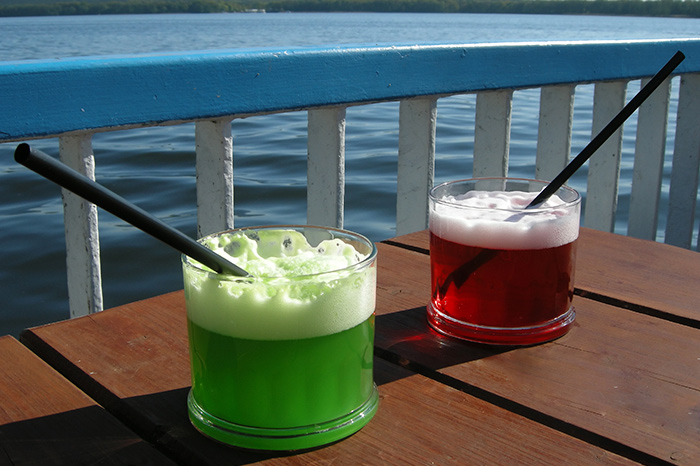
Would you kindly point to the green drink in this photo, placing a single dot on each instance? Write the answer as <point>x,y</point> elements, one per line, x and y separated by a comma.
<point>283,361</point>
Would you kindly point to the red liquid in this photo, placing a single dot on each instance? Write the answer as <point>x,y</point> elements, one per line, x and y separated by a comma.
<point>522,296</point>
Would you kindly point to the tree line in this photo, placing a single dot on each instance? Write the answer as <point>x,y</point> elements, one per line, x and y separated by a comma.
<point>119,7</point>
<point>576,7</point>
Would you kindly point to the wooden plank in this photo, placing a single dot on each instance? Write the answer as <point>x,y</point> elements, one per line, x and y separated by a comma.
<point>604,166</point>
<point>649,152</point>
<point>492,133</point>
<point>686,164</point>
<point>85,93</point>
<point>82,232</point>
<point>118,355</point>
<point>214,149</point>
<point>46,420</point>
<point>554,130</point>
<point>647,275</point>
<point>325,192</point>
<point>416,163</point>
<point>642,275</point>
<point>420,422</point>
<point>619,378</point>
<point>134,360</point>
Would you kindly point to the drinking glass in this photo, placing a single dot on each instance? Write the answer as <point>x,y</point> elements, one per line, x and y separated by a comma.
<point>283,361</point>
<point>500,273</point>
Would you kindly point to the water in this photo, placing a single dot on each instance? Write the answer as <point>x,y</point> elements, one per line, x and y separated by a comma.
<point>154,167</point>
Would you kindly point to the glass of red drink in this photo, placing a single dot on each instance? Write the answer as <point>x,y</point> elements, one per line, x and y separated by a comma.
<point>500,273</point>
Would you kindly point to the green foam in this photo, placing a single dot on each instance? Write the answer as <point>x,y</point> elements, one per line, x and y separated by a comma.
<point>298,290</point>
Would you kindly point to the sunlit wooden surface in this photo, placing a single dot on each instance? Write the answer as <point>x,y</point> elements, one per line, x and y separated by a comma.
<point>622,387</point>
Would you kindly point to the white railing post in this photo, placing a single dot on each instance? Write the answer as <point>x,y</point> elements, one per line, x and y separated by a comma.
<point>81,230</point>
<point>686,162</point>
<point>416,164</point>
<point>325,190</point>
<point>554,130</point>
<point>649,151</point>
<point>604,165</point>
<point>492,132</point>
<point>214,148</point>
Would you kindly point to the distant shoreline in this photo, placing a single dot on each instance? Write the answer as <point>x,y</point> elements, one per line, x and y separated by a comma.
<point>687,9</point>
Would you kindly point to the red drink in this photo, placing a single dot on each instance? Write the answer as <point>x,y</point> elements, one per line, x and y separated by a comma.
<point>500,274</point>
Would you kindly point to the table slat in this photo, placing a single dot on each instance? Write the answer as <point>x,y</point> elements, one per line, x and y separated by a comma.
<point>46,420</point>
<point>131,353</point>
<point>621,377</point>
<point>644,273</point>
<point>419,420</point>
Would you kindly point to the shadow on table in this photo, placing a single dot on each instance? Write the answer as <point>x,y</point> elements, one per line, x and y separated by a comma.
<point>92,436</point>
<point>404,346</point>
<point>406,339</point>
<point>77,437</point>
<point>162,419</point>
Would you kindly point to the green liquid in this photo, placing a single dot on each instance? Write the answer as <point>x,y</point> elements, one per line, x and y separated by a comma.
<point>283,384</point>
<point>283,361</point>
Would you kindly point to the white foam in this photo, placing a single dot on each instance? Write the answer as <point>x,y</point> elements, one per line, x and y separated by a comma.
<point>497,220</point>
<point>299,291</point>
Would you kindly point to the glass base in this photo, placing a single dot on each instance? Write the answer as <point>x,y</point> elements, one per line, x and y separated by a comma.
<point>291,438</point>
<point>517,336</point>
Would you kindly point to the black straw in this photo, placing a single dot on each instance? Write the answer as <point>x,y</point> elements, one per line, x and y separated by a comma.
<point>608,131</point>
<point>460,275</point>
<point>61,174</point>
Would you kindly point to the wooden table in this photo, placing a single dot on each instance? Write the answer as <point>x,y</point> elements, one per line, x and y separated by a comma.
<point>622,387</point>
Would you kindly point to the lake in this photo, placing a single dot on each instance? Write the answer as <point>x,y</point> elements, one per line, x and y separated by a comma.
<point>154,167</point>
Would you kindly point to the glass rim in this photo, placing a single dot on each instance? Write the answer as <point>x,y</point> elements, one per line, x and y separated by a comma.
<point>366,262</point>
<point>565,204</point>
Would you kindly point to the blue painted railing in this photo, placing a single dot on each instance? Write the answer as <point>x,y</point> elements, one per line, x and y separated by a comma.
<point>73,99</point>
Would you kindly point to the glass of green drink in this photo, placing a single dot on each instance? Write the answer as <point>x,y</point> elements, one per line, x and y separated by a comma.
<point>282,360</point>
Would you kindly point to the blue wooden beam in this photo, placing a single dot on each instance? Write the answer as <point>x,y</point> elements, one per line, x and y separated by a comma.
<point>48,97</point>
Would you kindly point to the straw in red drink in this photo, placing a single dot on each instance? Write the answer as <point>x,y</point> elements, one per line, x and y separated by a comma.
<point>462,273</point>
<point>608,131</point>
